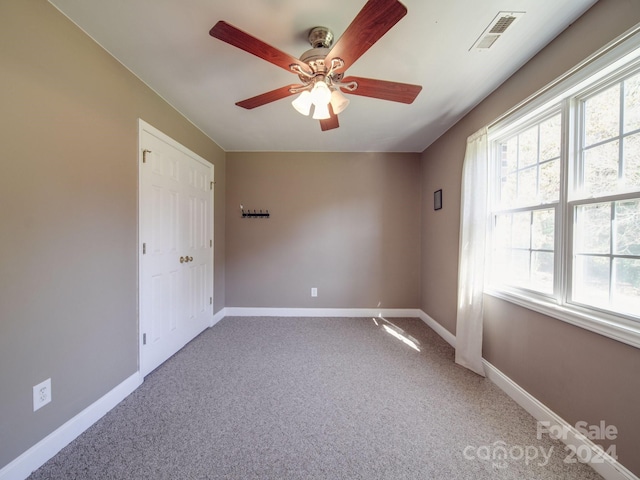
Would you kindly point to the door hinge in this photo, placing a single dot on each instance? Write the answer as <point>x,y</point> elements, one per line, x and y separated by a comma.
<point>144,338</point>
<point>211,185</point>
<point>210,300</point>
<point>144,248</point>
<point>211,243</point>
<point>144,155</point>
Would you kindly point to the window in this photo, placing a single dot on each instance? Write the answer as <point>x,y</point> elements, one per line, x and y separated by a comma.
<point>526,205</point>
<point>606,210</point>
<point>565,201</point>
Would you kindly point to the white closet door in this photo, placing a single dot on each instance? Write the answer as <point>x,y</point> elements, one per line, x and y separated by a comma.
<point>176,238</point>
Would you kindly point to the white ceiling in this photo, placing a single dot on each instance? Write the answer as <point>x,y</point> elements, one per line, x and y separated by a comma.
<point>166,43</point>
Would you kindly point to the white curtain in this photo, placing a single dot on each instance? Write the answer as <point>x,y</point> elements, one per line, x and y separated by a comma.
<point>474,219</point>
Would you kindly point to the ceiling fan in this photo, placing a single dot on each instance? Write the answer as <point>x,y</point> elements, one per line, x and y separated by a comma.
<point>321,69</point>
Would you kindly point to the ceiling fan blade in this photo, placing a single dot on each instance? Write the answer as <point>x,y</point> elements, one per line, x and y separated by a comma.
<point>331,122</point>
<point>392,91</point>
<point>374,20</point>
<point>236,37</point>
<point>267,97</point>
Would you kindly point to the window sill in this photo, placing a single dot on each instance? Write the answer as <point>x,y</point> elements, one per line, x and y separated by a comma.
<point>618,328</point>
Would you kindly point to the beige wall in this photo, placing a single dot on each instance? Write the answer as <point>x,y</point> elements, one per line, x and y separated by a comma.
<point>68,203</point>
<point>360,227</point>
<point>577,373</point>
<point>346,223</point>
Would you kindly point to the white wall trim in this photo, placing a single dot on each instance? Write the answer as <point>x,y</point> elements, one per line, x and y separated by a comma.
<point>45,449</point>
<point>36,456</point>
<point>449,337</point>
<point>609,467</point>
<point>621,329</point>
<point>606,466</point>
<point>319,312</point>
<point>219,315</point>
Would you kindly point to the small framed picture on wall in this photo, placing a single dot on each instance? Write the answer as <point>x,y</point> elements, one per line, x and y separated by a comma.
<point>437,199</point>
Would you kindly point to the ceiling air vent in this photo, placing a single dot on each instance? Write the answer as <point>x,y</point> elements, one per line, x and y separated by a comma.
<point>496,29</point>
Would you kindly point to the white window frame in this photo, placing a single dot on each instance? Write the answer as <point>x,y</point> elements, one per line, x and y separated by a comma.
<point>494,139</point>
<point>611,62</point>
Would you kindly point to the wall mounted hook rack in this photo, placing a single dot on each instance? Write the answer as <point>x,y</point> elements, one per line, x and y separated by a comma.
<point>254,214</point>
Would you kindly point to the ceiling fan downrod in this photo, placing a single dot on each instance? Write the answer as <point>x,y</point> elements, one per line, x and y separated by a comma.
<point>320,37</point>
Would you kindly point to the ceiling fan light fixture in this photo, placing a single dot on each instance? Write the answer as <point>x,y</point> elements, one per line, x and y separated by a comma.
<point>320,94</point>
<point>338,101</point>
<point>321,111</point>
<point>320,97</point>
<point>303,103</point>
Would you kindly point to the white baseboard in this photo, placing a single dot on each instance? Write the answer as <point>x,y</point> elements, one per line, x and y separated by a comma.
<point>449,337</point>
<point>217,317</point>
<point>319,312</point>
<point>36,456</point>
<point>601,462</point>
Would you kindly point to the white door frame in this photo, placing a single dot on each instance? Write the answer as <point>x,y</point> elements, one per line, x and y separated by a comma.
<point>145,127</point>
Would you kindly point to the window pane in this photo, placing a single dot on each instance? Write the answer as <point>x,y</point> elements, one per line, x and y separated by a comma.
<point>628,228</point>
<point>591,280</point>
<point>514,263</point>
<point>542,271</point>
<point>543,229</point>
<point>528,147</point>
<point>631,166</point>
<point>593,228</point>
<point>632,104</point>
<point>550,181</point>
<point>521,233</point>
<point>510,155</point>
<point>509,189</point>
<point>601,169</point>
<point>550,138</point>
<point>527,180</point>
<point>501,266</point>
<point>519,269</point>
<point>502,232</point>
<point>602,116</point>
<point>626,285</point>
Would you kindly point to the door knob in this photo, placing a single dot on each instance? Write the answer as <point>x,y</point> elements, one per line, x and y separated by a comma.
<point>191,259</point>
<point>182,260</point>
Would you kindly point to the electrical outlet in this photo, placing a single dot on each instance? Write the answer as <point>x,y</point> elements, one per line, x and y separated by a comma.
<point>41,394</point>
<point>314,292</point>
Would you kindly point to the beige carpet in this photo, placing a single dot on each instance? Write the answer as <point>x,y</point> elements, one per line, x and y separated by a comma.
<point>315,398</point>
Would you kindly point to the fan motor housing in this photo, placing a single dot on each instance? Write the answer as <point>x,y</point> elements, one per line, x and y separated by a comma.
<point>320,37</point>
<point>314,55</point>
